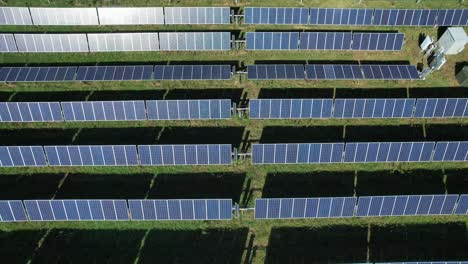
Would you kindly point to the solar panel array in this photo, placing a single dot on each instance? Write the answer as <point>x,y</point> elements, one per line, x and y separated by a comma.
<point>22,156</point>
<point>356,17</point>
<point>324,41</point>
<point>52,42</point>
<point>192,72</point>
<point>114,16</point>
<point>191,41</point>
<point>275,72</point>
<point>12,211</point>
<point>30,112</point>
<point>7,43</point>
<point>96,155</point>
<point>188,109</point>
<point>104,111</point>
<point>123,42</point>
<point>365,206</point>
<point>37,74</point>
<point>441,107</point>
<point>290,108</point>
<point>368,152</point>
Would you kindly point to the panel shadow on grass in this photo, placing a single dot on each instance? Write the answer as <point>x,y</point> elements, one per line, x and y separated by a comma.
<point>279,93</point>
<point>457,181</point>
<point>32,137</point>
<point>319,134</point>
<point>194,246</point>
<point>90,246</point>
<point>384,133</point>
<point>400,183</point>
<point>330,244</point>
<point>50,96</point>
<point>28,186</point>
<point>198,186</point>
<point>313,184</point>
<point>105,186</point>
<point>208,93</point>
<point>447,132</point>
<point>370,93</point>
<point>118,136</point>
<point>419,242</point>
<point>18,246</point>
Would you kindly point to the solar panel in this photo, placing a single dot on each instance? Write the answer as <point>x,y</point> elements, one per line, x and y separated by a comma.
<point>192,72</point>
<point>37,74</point>
<point>441,107</point>
<point>7,43</point>
<point>287,208</point>
<point>405,17</point>
<point>297,153</point>
<point>290,108</point>
<point>275,72</point>
<point>452,17</point>
<point>340,16</point>
<point>64,16</point>
<point>30,112</point>
<point>373,108</point>
<point>104,111</point>
<point>378,41</point>
<point>272,40</point>
<point>451,151</point>
<point>52,42</point>
<point>12,211</point>
<point>76,210</point>
<point>22,156</point>
<point>15,16</point>
<point>388,152</point>
<point>325,40</point>
<point>203,154</point>
<point>123,42</point>
<point>186,41</point>
<point>114,73</point>
<point>275,15</point>
<point>184,209</point>
<point>333,72</point>
<point>95,155</point>
<point>406,205</point>
<point>130,15</point>
<point>390,72</point>
<point>197,15</point>
<point>188,109</point>
<point>462,205</point>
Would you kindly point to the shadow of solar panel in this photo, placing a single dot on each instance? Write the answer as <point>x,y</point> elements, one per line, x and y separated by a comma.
<point>462,206</point>
<point>290,108</point>
<point>188,109</point>
<point>203,154</point>
<point>107,42</point>
<point>197,15</point>
<point>451,151</point>
<point>373,108</point>
<point>195,41</point>
<point>441,107</point>
<point>37,74</point>
<point>130,15</point>
<point>64,16</point>
<point>290,208</point>
<point>15,16</point>
<point>30,112</point>
<point>22,156</point>
<point>378,41</point>
<point>77,210</point>
<point>7,43</point>
<point>192,72</point>
<point>406,205</point>
<point>275,72</point>
<point>452,17</point>
<point>184,209</point>
<point>275,15</point>
<point>340,16</point>
<point>95,155</point>
<point>297,153</point>
<point>12,211</point>
<point>388,152</point>
<point>114,73</point>
<point>104,111</point>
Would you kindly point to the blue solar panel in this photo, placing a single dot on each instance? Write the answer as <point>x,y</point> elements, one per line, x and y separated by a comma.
<point>272,40</point>
<point>340,16</point>
<point>287,208</point>
<point>104,111</point>
<point>76,210</point>
<point>462,206</point>
<point>272,15</point>
<point>275,72</point>
<point>325,40</point>
<point>378,41</point>
<point>22,156</point>
<point>388,152</point>
<point>188,109</point>
<point>96,155</point>
<point>441,107</point>
<point>114,73</point>
<point>12,211</point>
<point>373,108</point>
<point>290,108</point>
<point>390,72</point>
<point>451,151</point>
<point>452,17</point>
<point>211,154</point>
<point>185,209</point>
<point>192,72</point>
<point>333,72</point>
<point>406,205</point>
<point>297,153</point>
<point>405,17</point>
<point>37,74</point>
<point>30,112</point>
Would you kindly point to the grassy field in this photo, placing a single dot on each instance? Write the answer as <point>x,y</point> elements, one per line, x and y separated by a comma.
<point>242,240</point>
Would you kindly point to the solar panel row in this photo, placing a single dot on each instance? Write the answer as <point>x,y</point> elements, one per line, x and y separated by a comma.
<point>324,41</point>
<point>115,155</point>
<point>359,17</point>
<point>115,73</point>
<point>195,41</point>
<point>331,72</point>
<point>366,152</point>
<point>114,16</point>
<point>365,206</point>
<point>115,210</point>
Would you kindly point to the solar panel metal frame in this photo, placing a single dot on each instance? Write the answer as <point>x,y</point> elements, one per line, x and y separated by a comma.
<point>130,15</point>
<point>137,105</point>
<point>333,153</point>
<point>77,42</point>
<point>69,16</point>
<point>53,106</point>
<point>84,73</point>
<point>100,42</point>
<point>12,206</point>
<point>196,72</point>
<point>10,15</point>
<point>36,152</point>
<point>153,201</point>
<point>461,104</point>
<point>54,150</point>
<point>195,41</point>
<point>8,43</point>
<point>356,150</point>
<point>156,103</point>
<point>254,103</point>
<point>184,15</point>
